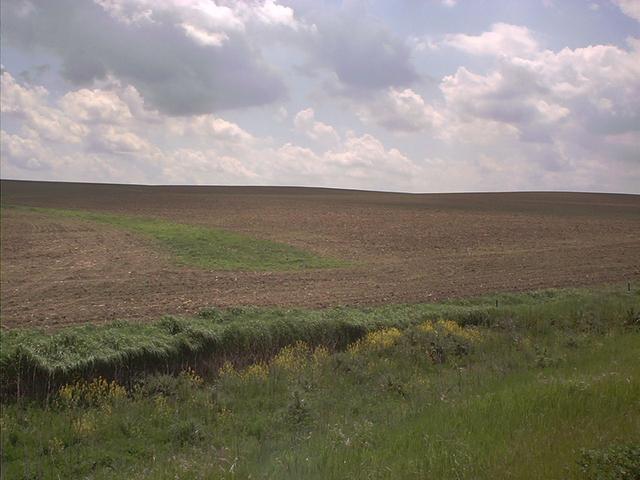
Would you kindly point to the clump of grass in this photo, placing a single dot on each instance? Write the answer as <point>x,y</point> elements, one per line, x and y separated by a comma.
<point>209,248</point>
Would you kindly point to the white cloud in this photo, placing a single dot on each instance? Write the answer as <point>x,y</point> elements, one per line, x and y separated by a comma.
<point>29,104</point>
<point>306,123</point>
<point>497,97</point>
<point>215,55</point>
<point>400,110</point>
<point>203,37</point>
<point>95,106</point>
<point>25,153</point>
<point>206,22</point>
<point>595,88</point>
<point>359,161</point>
<point>204,167</point>
<point>114,140</point>
<point>630,8</point>
<point>271,13</point>
<point>209,126</point>
<point>126,11</point>
<point>502,40</point>
<point>500,111</point>
<point>365,155</point>
<point>18,99</point>
<point>120,138</point>
<point>187,57</point>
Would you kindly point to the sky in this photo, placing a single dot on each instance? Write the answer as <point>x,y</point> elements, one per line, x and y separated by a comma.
<point>404,95</point>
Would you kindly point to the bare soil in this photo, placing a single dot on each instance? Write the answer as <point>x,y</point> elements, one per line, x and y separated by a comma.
<point>405,248</point>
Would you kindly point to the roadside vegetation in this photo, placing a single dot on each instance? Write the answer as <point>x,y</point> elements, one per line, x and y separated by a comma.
<point>38,361</point>
<point>209,248</point>
<point>538,385</point>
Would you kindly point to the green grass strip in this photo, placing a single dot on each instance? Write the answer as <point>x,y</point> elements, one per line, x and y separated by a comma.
<point>205,247</point>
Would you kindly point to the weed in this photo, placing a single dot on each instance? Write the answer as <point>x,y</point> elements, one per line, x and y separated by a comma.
<point>298,412</point>
<point>292,358</point>
<point>186,432</point>
<point>377,340</point>
<point>98,392</point>
<point>632,318</point>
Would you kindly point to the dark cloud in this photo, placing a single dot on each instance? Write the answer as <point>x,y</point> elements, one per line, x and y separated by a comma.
<point>180,76</point>
<point>34,74</point>
<point>173,73</point>
<point>362,53</point>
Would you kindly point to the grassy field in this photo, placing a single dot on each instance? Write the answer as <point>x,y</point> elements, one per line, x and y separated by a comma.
<point>208,248</point>
<point>542,385</point>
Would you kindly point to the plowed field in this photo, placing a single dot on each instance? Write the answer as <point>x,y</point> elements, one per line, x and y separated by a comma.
<point>400,248</point>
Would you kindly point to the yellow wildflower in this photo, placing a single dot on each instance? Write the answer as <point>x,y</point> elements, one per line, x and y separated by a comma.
<point>376,340</point>
<point>427,327</point>
<point>292,357</point>
<point>190,374</point>
<point>320,355</point>
<point>160,402</point>
<point>257,371</point>
<point>97,392</point>
<point>84,425</point>
<point>225,413</point>
<point>55,445</point>
<point>227,370</point>
<point>449,327</point>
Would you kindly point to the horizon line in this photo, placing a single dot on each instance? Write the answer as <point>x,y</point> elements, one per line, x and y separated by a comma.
<point>344,189</point>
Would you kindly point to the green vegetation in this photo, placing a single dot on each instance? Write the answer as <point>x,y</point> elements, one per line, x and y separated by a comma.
<point>545,385</point>
<point>617,462</point>
<point>205,247</point>
<point>37,362</point>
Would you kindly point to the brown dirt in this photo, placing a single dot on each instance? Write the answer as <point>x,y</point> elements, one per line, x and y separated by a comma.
<point>408,248</point>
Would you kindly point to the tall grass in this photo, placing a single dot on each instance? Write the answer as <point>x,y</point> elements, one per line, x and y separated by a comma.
<point>204,247</point>
<point>36,362</point>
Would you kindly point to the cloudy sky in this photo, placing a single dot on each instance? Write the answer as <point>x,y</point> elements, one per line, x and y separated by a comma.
<point>420,96</point>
